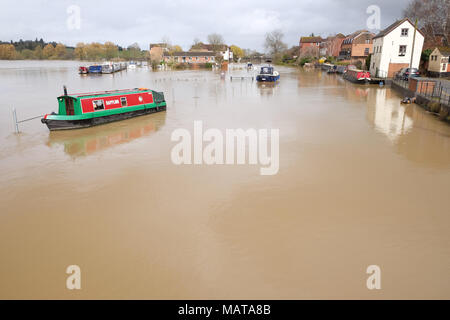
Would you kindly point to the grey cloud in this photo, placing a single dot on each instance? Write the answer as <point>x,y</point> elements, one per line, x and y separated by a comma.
<point>243,23</point>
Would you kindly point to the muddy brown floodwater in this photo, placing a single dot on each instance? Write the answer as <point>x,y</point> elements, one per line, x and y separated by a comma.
<point>363,180</point>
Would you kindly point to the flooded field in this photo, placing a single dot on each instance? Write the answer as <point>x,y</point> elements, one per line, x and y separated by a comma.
<point>362,180</point>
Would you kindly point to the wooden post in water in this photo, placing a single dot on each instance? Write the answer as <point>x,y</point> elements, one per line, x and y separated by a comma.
<point>16,125</point>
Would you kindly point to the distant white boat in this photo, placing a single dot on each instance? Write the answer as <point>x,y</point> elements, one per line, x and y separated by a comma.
<point>131,65</point>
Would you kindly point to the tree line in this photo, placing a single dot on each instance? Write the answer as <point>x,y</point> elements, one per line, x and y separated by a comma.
<point>40,50</point>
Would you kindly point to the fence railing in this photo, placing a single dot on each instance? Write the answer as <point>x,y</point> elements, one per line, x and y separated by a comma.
<point>433,89</point>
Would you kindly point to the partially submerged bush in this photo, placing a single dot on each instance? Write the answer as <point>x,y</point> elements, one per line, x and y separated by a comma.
<point>434,106</point>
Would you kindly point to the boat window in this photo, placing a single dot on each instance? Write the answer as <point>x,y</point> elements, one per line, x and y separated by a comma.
<point>98,105</point>
<point>140,99</point>
<point>123,101</point>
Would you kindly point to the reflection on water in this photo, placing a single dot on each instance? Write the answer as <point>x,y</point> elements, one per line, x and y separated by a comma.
<point>87,141</point>
<point>388,115</point>
<point>267,88</point>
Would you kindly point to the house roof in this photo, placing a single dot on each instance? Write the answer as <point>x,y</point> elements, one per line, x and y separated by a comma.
<point>191,54</point>
<point>310,39</point>
<point>352,36</point>
<point>393,26</point>
<point>445,51</point>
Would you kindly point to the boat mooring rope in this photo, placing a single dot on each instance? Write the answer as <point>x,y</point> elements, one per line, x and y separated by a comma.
<point>31,118</point>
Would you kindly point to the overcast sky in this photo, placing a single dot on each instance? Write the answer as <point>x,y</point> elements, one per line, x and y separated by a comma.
<point>240,22</point>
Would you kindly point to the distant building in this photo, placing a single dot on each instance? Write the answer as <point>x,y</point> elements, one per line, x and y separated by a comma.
<point>393,49</point>
<point>439,62</point>
<point>222,49</point>
<point>190,57</point>
<point>310,46</point>
<point>356,46</point>
<point>332,45</point>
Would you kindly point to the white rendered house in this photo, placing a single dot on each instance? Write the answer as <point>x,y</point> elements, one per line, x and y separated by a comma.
<point>392,49</point>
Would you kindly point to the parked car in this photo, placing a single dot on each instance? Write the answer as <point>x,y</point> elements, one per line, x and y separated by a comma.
<point>404,73</point>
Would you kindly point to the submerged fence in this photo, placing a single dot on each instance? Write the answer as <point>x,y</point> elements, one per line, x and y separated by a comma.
<point>435,90</point>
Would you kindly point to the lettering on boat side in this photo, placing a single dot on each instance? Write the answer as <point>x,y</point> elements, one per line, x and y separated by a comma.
<point>74,280</point>
<point>108,102</point>
<point>374,280</point>
<point>256,151</point>
<point>231,309</point>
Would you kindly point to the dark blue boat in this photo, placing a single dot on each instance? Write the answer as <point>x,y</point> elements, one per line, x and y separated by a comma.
<point>267,74</point>
<point>95,69</point>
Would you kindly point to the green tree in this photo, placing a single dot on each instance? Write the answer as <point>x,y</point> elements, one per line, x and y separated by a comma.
<point>37,52</point>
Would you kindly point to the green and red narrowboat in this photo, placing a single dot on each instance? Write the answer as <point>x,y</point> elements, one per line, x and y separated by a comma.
<point>94,108</point>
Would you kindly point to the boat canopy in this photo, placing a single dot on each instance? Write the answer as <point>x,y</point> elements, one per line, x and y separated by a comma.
<point>266,70</point>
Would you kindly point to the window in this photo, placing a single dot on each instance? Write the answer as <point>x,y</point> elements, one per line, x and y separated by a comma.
<point>366,51</point>
<point>206,58</point>
<point>444,67</point>
<point>367,41</point>
<point>402,51</point>
<point>98,105</point>
<point>140,99</point>
<point>123,101</point>
<point>405,32</point>
<point>373,65</point>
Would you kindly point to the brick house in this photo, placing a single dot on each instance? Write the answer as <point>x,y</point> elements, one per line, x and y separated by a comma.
<point>332,45</point>
<point>190,57</point>
<point>221,49</point>
<point>356,46</point>
<point>310,46</point>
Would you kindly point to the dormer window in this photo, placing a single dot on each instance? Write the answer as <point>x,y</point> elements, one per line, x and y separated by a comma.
<point>405,32</point>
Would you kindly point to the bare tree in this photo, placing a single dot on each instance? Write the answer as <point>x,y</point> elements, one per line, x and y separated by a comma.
<point>274,42</point>
<point>433,18</point>
<point>216,40</point>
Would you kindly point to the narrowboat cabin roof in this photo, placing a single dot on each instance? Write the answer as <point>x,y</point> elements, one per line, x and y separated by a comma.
<point>104,93</point>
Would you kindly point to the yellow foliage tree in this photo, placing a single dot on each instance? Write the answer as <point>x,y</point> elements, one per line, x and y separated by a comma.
<point>48,51</point>
<point>111,50</point>
<point>60,51</point>
<point>7,52</point>
<point>237,52</point>
<point>79,51</point>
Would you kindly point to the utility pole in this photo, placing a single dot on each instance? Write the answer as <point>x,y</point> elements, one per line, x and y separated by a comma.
<point>412,51</point>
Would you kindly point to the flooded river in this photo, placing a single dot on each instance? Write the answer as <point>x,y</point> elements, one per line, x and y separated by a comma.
<point>362,180</point>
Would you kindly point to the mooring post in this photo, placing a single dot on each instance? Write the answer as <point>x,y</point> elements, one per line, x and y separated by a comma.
<point>16,125</point>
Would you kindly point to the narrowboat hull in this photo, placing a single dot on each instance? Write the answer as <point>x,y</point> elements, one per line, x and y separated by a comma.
<point>55,122</point>
<point>267,78</point>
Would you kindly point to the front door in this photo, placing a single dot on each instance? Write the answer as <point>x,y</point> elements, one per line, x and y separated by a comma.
<point>69,106</point>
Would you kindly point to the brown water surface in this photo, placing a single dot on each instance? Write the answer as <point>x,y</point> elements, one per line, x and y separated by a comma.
<point>363,180</point>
